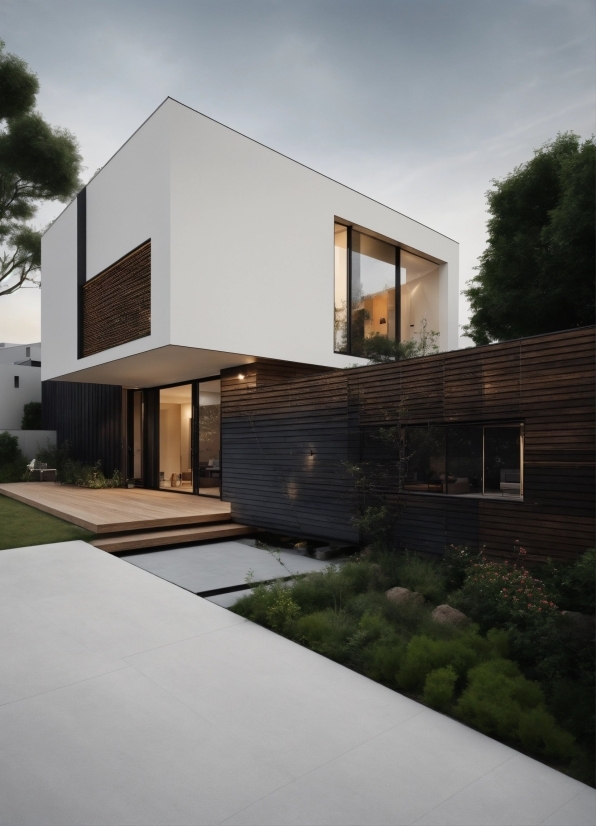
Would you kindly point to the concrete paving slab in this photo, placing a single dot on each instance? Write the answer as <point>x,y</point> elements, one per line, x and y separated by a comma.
<point>217,565</point>
<point>579,811</point>
<point>521,792</point>
<point>289,690</point>
<point>111,608</point>
<point>209,719</point>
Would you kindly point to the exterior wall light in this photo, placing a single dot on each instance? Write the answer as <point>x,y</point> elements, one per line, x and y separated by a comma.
<point>240,375</point>
<point>312,452</point>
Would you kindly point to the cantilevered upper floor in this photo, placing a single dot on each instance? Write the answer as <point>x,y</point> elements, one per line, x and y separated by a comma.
<point>196,248</point>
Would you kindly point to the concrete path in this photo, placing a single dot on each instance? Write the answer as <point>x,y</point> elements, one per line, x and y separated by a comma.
<point>126,700</point>
<point>218,565</point>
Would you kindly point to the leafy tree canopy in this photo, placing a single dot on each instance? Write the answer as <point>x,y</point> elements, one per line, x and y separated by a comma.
<point>537,272</point>
<point>38,163</point>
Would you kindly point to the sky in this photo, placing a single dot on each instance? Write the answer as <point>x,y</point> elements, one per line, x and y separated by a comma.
<point>418,104</point>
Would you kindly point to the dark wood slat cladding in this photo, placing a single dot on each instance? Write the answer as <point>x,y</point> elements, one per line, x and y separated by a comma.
<point>545,382</point>
<point>117,303</point>
<point>89,418</point>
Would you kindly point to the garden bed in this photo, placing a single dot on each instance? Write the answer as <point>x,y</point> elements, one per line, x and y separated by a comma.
<point>519,669</point>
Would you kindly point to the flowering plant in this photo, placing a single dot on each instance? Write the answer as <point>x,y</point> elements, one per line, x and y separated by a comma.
<point>503,595</point>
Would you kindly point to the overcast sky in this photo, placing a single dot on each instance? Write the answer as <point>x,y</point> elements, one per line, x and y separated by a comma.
<point>417,103</point>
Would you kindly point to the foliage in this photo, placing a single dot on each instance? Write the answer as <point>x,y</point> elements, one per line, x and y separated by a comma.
<point>13,464</point>
<point>526,682</point>
<point>501,702</point>
<point>71,472</point>
<point>457,561</point>
<point>38,163</point>
<point>574,585</point>
<point>500,595</point>
<point>379,349</point>
<point>31,416</point>
<point>21,526</point>
<point>9,448</point>
<point>439,688</point>
<point>537,272</point>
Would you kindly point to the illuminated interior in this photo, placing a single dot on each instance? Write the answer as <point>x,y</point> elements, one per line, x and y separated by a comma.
<point>419,295</point>
<point>366,278</point>
<point>209,469</point>
<point>175,438</point>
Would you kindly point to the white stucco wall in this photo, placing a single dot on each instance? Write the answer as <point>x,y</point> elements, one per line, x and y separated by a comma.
<point>128,202</point>
<point>252,267</point>
<point>242,248</point>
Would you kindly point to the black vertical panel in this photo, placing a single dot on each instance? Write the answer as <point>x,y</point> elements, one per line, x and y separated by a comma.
<point>151,438</point>
<point>89,418</point>
<point>81,264</point>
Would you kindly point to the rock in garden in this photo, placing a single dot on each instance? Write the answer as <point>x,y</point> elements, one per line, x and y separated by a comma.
<point>581,626</point>
<point>403,595</point>
<point>447,615</point>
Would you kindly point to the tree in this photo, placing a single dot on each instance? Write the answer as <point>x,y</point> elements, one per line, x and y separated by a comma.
<point>31,416</point>
<point>537,272</point>
<point>38,163</point>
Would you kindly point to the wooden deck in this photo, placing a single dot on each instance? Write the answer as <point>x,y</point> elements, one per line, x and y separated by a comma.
<point>116,510</point>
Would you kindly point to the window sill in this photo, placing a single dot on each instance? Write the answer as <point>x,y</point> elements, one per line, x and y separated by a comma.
<point>499,497</point>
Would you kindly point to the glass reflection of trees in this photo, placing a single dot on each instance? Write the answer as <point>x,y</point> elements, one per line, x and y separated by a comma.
<point>464,459</point>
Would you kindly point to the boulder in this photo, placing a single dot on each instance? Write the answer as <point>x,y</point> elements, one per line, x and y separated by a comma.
<point>403,595</point>
<point>580,625</point>
<point>447,615</point>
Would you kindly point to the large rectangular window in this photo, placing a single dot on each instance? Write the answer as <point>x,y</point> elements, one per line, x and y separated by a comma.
<point>175,438</point>
<point>465,460</point>
<point>341,289</point>
<point>373,269</point>
<point>419,296</point>
<point>372,306</point>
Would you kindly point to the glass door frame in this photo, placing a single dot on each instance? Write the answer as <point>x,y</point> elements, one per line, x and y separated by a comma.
<point>151,436</point>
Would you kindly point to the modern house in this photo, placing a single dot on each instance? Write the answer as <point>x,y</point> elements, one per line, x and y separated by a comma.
<point>201,297</point>
<point>195,250</point>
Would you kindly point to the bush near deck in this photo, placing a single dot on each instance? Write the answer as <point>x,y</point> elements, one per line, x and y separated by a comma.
<point>519,672</point>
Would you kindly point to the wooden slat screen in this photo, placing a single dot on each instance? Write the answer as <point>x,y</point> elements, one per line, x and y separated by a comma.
<point>545,382</point>
<point>117,303</point>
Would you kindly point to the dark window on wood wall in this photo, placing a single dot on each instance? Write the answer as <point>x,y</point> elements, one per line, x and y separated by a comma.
<point>117,303</point>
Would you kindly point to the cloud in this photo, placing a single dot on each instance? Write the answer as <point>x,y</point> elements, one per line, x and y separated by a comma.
<point>417,104</point>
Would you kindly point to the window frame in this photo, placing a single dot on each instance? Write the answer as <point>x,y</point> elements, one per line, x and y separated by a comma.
<point>519,425</point>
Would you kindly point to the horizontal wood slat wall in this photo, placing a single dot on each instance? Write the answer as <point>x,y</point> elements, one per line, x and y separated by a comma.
<point>88,417</point>
<point>117,303</point>
<point>546,382</point>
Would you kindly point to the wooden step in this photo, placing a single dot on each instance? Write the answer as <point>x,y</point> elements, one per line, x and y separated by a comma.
<point>169,536</point>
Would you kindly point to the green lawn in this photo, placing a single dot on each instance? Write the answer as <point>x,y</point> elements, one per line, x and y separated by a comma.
<point>22,525</point>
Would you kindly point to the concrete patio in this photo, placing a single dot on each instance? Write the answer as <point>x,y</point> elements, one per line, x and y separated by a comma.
<point>219,566</point>
<point>127,700</point>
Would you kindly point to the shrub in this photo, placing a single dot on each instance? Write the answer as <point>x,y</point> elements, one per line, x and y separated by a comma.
<point>424,655</point>
<point>282,610</point>
<point>9,448</point>
<point>540,734</point>
<point>13,465</point>
<point>382,660</point>
<point>422,575</point>
<point>71,472</point>
<point>574,585</point>
<point>31,416</point>
<point>439,688</point>
<point>501,596</point>
<point>457,561</point>
<point>326,632</point>
<point>500,701</point>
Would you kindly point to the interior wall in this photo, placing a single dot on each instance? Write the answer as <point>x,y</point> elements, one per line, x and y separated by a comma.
<point>169,439</point>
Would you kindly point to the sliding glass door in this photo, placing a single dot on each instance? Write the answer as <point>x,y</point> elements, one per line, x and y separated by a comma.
<point>209,438</point>
<point>175,438</point>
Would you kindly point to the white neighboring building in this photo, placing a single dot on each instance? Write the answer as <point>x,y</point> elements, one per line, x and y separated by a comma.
<point>20,381</point>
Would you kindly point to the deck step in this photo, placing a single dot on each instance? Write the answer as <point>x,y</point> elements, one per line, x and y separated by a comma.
<point>169,536</point>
